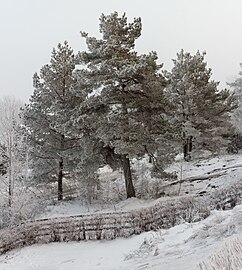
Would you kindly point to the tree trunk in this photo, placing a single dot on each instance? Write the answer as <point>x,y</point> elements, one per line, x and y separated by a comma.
<point>128,177</point>
<point>187,148</point>
<point>125,158</point>
<point>60,180</point>
<point>60,172</point>
<point>187,140</point>
<point>10,193</point>
<point>10,172</point>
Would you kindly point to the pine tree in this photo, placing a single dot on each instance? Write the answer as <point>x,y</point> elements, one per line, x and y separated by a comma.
<point>54,150</point>
<point>236,116</point>
<point>202,111</point>
<point>125,107</point>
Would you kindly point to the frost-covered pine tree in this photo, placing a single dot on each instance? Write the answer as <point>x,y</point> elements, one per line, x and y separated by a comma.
<point>125,107</point>
<point>54,149</point>
<point>236,116</point>
<point>202,111</point>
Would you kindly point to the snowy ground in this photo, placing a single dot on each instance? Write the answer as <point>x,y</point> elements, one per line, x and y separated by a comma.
<point>230,166</point>
<point>228,169</point>
<point>179,248</point>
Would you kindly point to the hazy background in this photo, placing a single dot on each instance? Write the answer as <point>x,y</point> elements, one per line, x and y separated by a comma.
<point>31,28</point>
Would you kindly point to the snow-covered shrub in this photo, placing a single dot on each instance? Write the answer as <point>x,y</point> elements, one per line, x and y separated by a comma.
<point>149,188</point>
<point>228,258</point>
<point>193,209</point>
<point>226,198</point>
<point>148,184</point>
<point>111,187</point>
<point>235,144</point>
<point>147,247</point>
<point>25,206</point>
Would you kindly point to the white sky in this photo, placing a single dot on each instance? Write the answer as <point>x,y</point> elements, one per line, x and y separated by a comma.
<point>30,29</point>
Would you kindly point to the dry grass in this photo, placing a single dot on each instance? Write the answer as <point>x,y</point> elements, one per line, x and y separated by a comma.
<point>228,258</point>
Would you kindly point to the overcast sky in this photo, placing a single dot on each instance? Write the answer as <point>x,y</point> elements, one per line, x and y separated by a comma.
<point>30,29</point>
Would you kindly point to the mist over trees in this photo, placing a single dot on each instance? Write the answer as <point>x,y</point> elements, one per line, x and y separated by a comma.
<point>110,105</point>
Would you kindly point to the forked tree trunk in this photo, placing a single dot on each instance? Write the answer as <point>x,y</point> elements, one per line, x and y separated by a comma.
<point>128,177</point>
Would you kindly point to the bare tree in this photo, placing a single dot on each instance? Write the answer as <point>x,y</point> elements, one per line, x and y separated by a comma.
<point>9,139</point>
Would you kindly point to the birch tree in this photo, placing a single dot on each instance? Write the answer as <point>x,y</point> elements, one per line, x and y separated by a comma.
<point>10,142</point>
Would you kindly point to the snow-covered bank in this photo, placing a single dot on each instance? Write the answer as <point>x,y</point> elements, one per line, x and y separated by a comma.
<point>99,226</point>
<point>200,173</point>
<point>179,248</point>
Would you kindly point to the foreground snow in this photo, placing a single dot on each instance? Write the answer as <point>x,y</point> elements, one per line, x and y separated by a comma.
<point>179,248</point>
